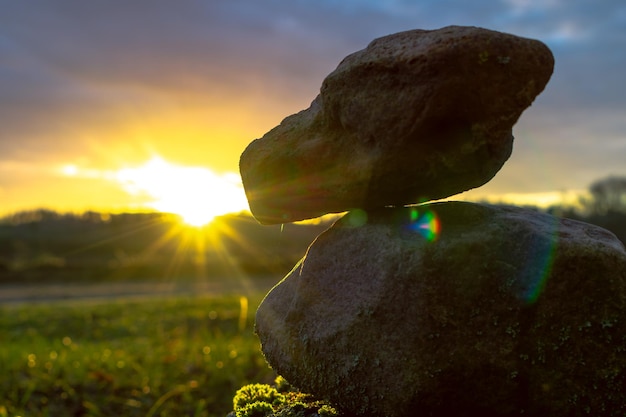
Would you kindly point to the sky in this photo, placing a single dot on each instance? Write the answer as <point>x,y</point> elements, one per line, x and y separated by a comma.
<point>96,95</point>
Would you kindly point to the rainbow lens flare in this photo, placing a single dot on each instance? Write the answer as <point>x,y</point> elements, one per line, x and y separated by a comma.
<point>538,268</point>
<point>526,278</point>
<point>425,223</point>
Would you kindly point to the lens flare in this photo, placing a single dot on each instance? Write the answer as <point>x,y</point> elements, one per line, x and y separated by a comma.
<point>356,218</point>
<point>526,280</point>
<point>426,223</point>
<point>418,220</point>
<point>538,268</point>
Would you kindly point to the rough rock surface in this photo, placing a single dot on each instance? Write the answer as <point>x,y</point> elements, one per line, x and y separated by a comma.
<point>416,116</point>
<point>507,312</point>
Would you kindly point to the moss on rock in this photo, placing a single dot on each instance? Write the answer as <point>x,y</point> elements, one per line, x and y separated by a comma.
<point>280,400</point>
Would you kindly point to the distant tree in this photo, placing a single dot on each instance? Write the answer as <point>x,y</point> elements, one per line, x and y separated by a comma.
<point>31,216</point>
<point>607,195</point>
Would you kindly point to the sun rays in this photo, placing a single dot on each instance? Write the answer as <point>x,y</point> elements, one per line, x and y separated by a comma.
<point>173,256</point>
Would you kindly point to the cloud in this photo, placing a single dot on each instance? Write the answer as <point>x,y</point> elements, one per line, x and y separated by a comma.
<point>79,78</point>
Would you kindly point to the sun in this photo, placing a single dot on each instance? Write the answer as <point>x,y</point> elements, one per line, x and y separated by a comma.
<point>197,194</point>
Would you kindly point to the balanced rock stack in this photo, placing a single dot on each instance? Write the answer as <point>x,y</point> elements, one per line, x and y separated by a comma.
<point>444,308</point>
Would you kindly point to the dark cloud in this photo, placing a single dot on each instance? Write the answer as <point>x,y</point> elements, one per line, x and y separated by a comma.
<point>66,65</point>
<point>192,43</point>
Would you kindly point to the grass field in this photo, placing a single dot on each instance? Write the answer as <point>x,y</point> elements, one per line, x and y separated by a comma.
<point>182,356</point>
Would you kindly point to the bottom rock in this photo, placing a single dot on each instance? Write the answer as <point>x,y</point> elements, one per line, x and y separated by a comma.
<point>455,309</point>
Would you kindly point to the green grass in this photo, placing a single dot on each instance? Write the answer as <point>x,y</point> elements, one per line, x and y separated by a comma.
<point>158,357</point>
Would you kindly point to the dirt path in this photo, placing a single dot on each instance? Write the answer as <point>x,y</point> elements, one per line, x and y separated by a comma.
<point>13,294</point>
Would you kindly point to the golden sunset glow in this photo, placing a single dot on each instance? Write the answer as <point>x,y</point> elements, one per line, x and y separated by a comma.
<point>91,95</point>
<point>197,194</point>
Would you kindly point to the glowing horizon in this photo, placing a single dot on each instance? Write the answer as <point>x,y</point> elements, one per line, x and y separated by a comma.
<point>198,194</point>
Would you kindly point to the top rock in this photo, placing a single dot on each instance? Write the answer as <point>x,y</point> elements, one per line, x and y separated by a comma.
<point>416,116</point>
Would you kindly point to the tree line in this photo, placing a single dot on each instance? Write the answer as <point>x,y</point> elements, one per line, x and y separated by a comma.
<point>45,245</point>
<point>604,206</point>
